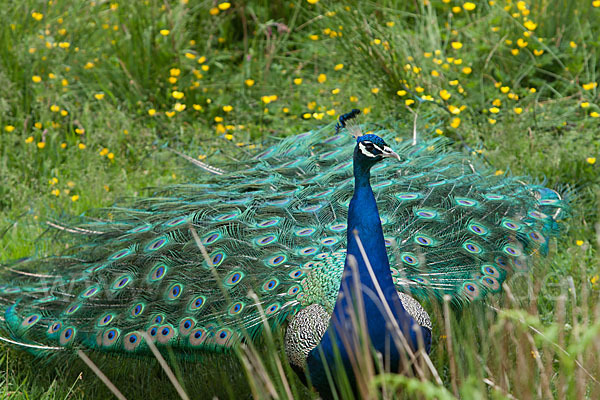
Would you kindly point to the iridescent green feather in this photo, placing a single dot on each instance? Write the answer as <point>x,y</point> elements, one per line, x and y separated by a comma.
<point>274,231</point>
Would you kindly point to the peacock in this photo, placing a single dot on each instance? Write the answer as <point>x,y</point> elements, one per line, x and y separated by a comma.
<point>277,239</point>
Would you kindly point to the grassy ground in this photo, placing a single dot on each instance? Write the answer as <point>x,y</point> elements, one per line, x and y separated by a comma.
<point>92,91</point>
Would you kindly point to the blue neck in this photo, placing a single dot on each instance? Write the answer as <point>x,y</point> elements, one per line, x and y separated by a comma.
<point>363,217</point>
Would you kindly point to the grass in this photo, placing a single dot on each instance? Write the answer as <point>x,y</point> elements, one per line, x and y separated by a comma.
<point>91,92</point>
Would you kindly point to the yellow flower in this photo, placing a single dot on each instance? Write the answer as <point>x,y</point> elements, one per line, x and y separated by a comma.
<point>297,81</point>
<point>218,119</point>
<point>444,94</point>
<point>408,102</point>
<point>585,104</point>
<point>331,112</point>
<point>81,146</point>
<point>312,1</point>
<point>375,90</point>
<point>64,45</point>
<point>596,3</point>
<point>401,92</point>
<point>377,41</point>
<point>435,73</point>
<point>494,110</point>
<point>286,110</point>
<point>227,108</point>
<point>497,102</point>
<point>573,45</point>
<point>201,59</point>
<point>174,72</point>
<point>591,160</point>
<point>538,52</point>
<point>64,113</point>
<point>521,43</point>
<point>197,107</point>
<point>456,45</point>
<point>75,197</point>
<point>110,156</point>
<point>335,91</point>
<point>36,78</point>
<point>151,112</point>
<point>205,68</point>
<point>179,107</point>
<point>306,115</point>
<point>589,86</point>
<point>455,123</point>
<point>224,6</point>
<point>390,23</point>
<point>530,25</point>
<point>532,90</point>
<point>54,108</point>
<point>322,78</point>
<point>177,95</point>
<point>467,70</point>
<point>170,114</point>
<point>9,128</point>
<point>213,11</point>
<point>338,67</point>
<point>29,139</point>
<point>37,16</point>
<point>313,37</point>
<point>266,99</point>
<point>99,96</point>
<point>499,172</point>
<point>492,121</point>
<point>103,152</point>
<point>579,242</point>
<point>439,131</point>
<point>38,125</point>
<point>164,32</point>
<point>515,52</point>
<point>249,82</point>
<point>55,192</point>
<point>353,99</point>
<point>64,82</point>
<point>456,9</point>
<point>453,109</point>
<point>469,6</point>
<point>594,114</point>
<point>518,110</point>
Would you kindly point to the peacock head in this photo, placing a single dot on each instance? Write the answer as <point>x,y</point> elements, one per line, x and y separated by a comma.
<point>371,149</point>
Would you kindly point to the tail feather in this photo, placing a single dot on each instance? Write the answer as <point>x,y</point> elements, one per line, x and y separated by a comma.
<point>274,226</point>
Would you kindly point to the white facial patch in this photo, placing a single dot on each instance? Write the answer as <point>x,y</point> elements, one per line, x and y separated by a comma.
<point>363,149</point>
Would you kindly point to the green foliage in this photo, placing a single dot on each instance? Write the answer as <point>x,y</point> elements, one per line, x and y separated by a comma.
<point>118,51</point>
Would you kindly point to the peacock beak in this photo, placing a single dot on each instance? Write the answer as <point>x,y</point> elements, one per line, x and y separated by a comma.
<point>389,153</point>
